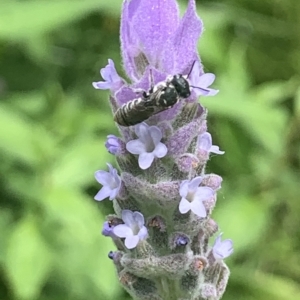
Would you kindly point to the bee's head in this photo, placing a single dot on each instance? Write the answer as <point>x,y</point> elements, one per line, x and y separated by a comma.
<point>181,85</point>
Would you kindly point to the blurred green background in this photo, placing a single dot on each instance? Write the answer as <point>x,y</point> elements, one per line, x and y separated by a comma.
<point>54,124</point>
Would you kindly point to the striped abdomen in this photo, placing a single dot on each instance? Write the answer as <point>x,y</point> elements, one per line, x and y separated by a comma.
<point>133,112</point>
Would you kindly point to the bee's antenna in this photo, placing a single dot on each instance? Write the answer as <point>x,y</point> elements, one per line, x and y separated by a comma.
<point>191,69</point>
<point>197,87</point>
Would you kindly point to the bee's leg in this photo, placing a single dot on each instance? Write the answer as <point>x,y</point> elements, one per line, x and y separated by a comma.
<point>151,81</point>
<point>139,91</point>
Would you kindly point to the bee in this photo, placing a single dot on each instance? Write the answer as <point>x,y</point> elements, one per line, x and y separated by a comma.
<point>160,97</point>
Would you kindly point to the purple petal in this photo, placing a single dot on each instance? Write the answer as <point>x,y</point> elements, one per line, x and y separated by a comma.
<point>218,240</point>
<point>205,141</point>
<point>102,85</point>
<point>127,217</point>
<point>103,177</point>
<point>184,206</point>
<point>195,183</point>
<point>160,150</point>
<point>216,150</point>
<point>106,230</point>
<point>206,80</point>
<point>138,219</point>
<point>111,169</point>
<point>212,92</point>
<point>131,241</point>
<point>111,73</point>
<point>132,7</point>
<point>142,131</point>
<point>124,95</point>
<point>111,78</point>
<point>154,23</point>
<point>198,208</point>
<point>155,134</point>
<point>103,193</point>
<point>195,74</point>
<point>112,140</point>
<point>113,194</point>
<point>145,160</point>
<point>184,188</point>
<point>136,147</point>
<point>151,74</point>
<point>129,41</point>
<point>204,193</point>
<point>223,249</point>
<point>122,231</point>
<point>113,144</point>
<point>143,233</point>
<point>200,83</point>
<point>186,38</point>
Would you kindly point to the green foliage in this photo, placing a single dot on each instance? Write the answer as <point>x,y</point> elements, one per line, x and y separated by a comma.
<point>53,127</point>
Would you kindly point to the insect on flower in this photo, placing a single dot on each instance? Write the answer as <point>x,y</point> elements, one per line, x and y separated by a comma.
<point>160,97</point>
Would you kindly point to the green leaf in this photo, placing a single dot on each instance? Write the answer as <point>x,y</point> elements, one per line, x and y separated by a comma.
<point>82,250</point>
<point>78,162</point>
<point>28,260</point>
<point>22,138</point>
<point>21,20</point>
<point>297,104</point>
<point>247,212</point>
<point>267,285</point>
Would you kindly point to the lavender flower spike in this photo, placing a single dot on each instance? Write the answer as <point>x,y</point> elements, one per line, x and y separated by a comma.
<point>166,197</point>
<point>148,145</point>
<point>111,182</point>
<point>133,230</point>
<point>112,81</point>
<point>221,249</point>
<point>193,197</point>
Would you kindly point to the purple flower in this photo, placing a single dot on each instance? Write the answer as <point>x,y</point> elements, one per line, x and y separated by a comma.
<point>193,197</point>
<point>204,143</point>
<point>107,229</point>
<point>202,82</point>
<point>113,145</point>
<point>133,230</point>
<point>112,81</point>
<point>111,254</point>
<point>148,145</point>
<point>111,182</point>
<point>153,34</point>
<point>221,249</point>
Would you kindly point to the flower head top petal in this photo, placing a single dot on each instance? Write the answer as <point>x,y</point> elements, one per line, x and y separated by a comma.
<point>112,81</point>
<point>148,145</point>
<point>111,182</point>
<point>153,34</point>
<point>204,143</point>
<point>193,197</point>
<point>133,230</point>
<point>221,249</point>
